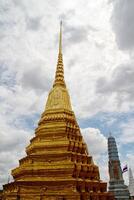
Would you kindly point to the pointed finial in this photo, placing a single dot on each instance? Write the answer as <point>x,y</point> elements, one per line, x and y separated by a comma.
<point>60,39</point>
<point>59,76</point>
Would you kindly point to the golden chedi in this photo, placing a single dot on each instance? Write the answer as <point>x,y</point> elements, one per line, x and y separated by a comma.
<point>57,165</point>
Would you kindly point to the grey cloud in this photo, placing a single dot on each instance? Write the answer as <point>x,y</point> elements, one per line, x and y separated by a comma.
<point>10,144</point>
<point>35,78</point>
<point>12,140</point>
<point>66,16</point>
<point>11,149</point>
<point>7,77</point>
<point>72,62</point>
<point>4,6</point>
<point>7,18</point>
<point>21,5</point>
<point>33,23</point>
<point>76,34</point>
<point>123,23</point>
<point>121,83</point>
<point>8,161</point>
<point>111,1</point>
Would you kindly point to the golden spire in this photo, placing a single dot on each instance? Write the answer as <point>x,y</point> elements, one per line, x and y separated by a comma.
<point>60,39</point>
<point>59,76</point>
<point>58,97</point>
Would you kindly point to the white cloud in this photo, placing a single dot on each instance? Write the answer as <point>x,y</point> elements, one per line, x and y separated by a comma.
<point>93,137</point>
<point>13,141</point>
<point>97,147</point>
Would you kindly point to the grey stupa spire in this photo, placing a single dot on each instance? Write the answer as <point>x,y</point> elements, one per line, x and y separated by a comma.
<point>131,184</point>
<point>116,182</point>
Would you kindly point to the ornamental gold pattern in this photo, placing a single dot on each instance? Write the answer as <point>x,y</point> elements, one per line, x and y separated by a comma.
<point>57,165</point>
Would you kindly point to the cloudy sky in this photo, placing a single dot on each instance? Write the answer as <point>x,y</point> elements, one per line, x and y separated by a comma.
<point>98,48</point>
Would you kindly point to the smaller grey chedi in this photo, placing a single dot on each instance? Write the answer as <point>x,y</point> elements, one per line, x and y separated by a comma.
<point>116,182</point>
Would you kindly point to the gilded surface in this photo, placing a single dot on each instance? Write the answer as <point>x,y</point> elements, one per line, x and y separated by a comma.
<point>58,98</point>
<point>57,165</point>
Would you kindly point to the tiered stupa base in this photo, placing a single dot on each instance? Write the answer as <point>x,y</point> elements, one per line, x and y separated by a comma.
<point>64,190</point>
